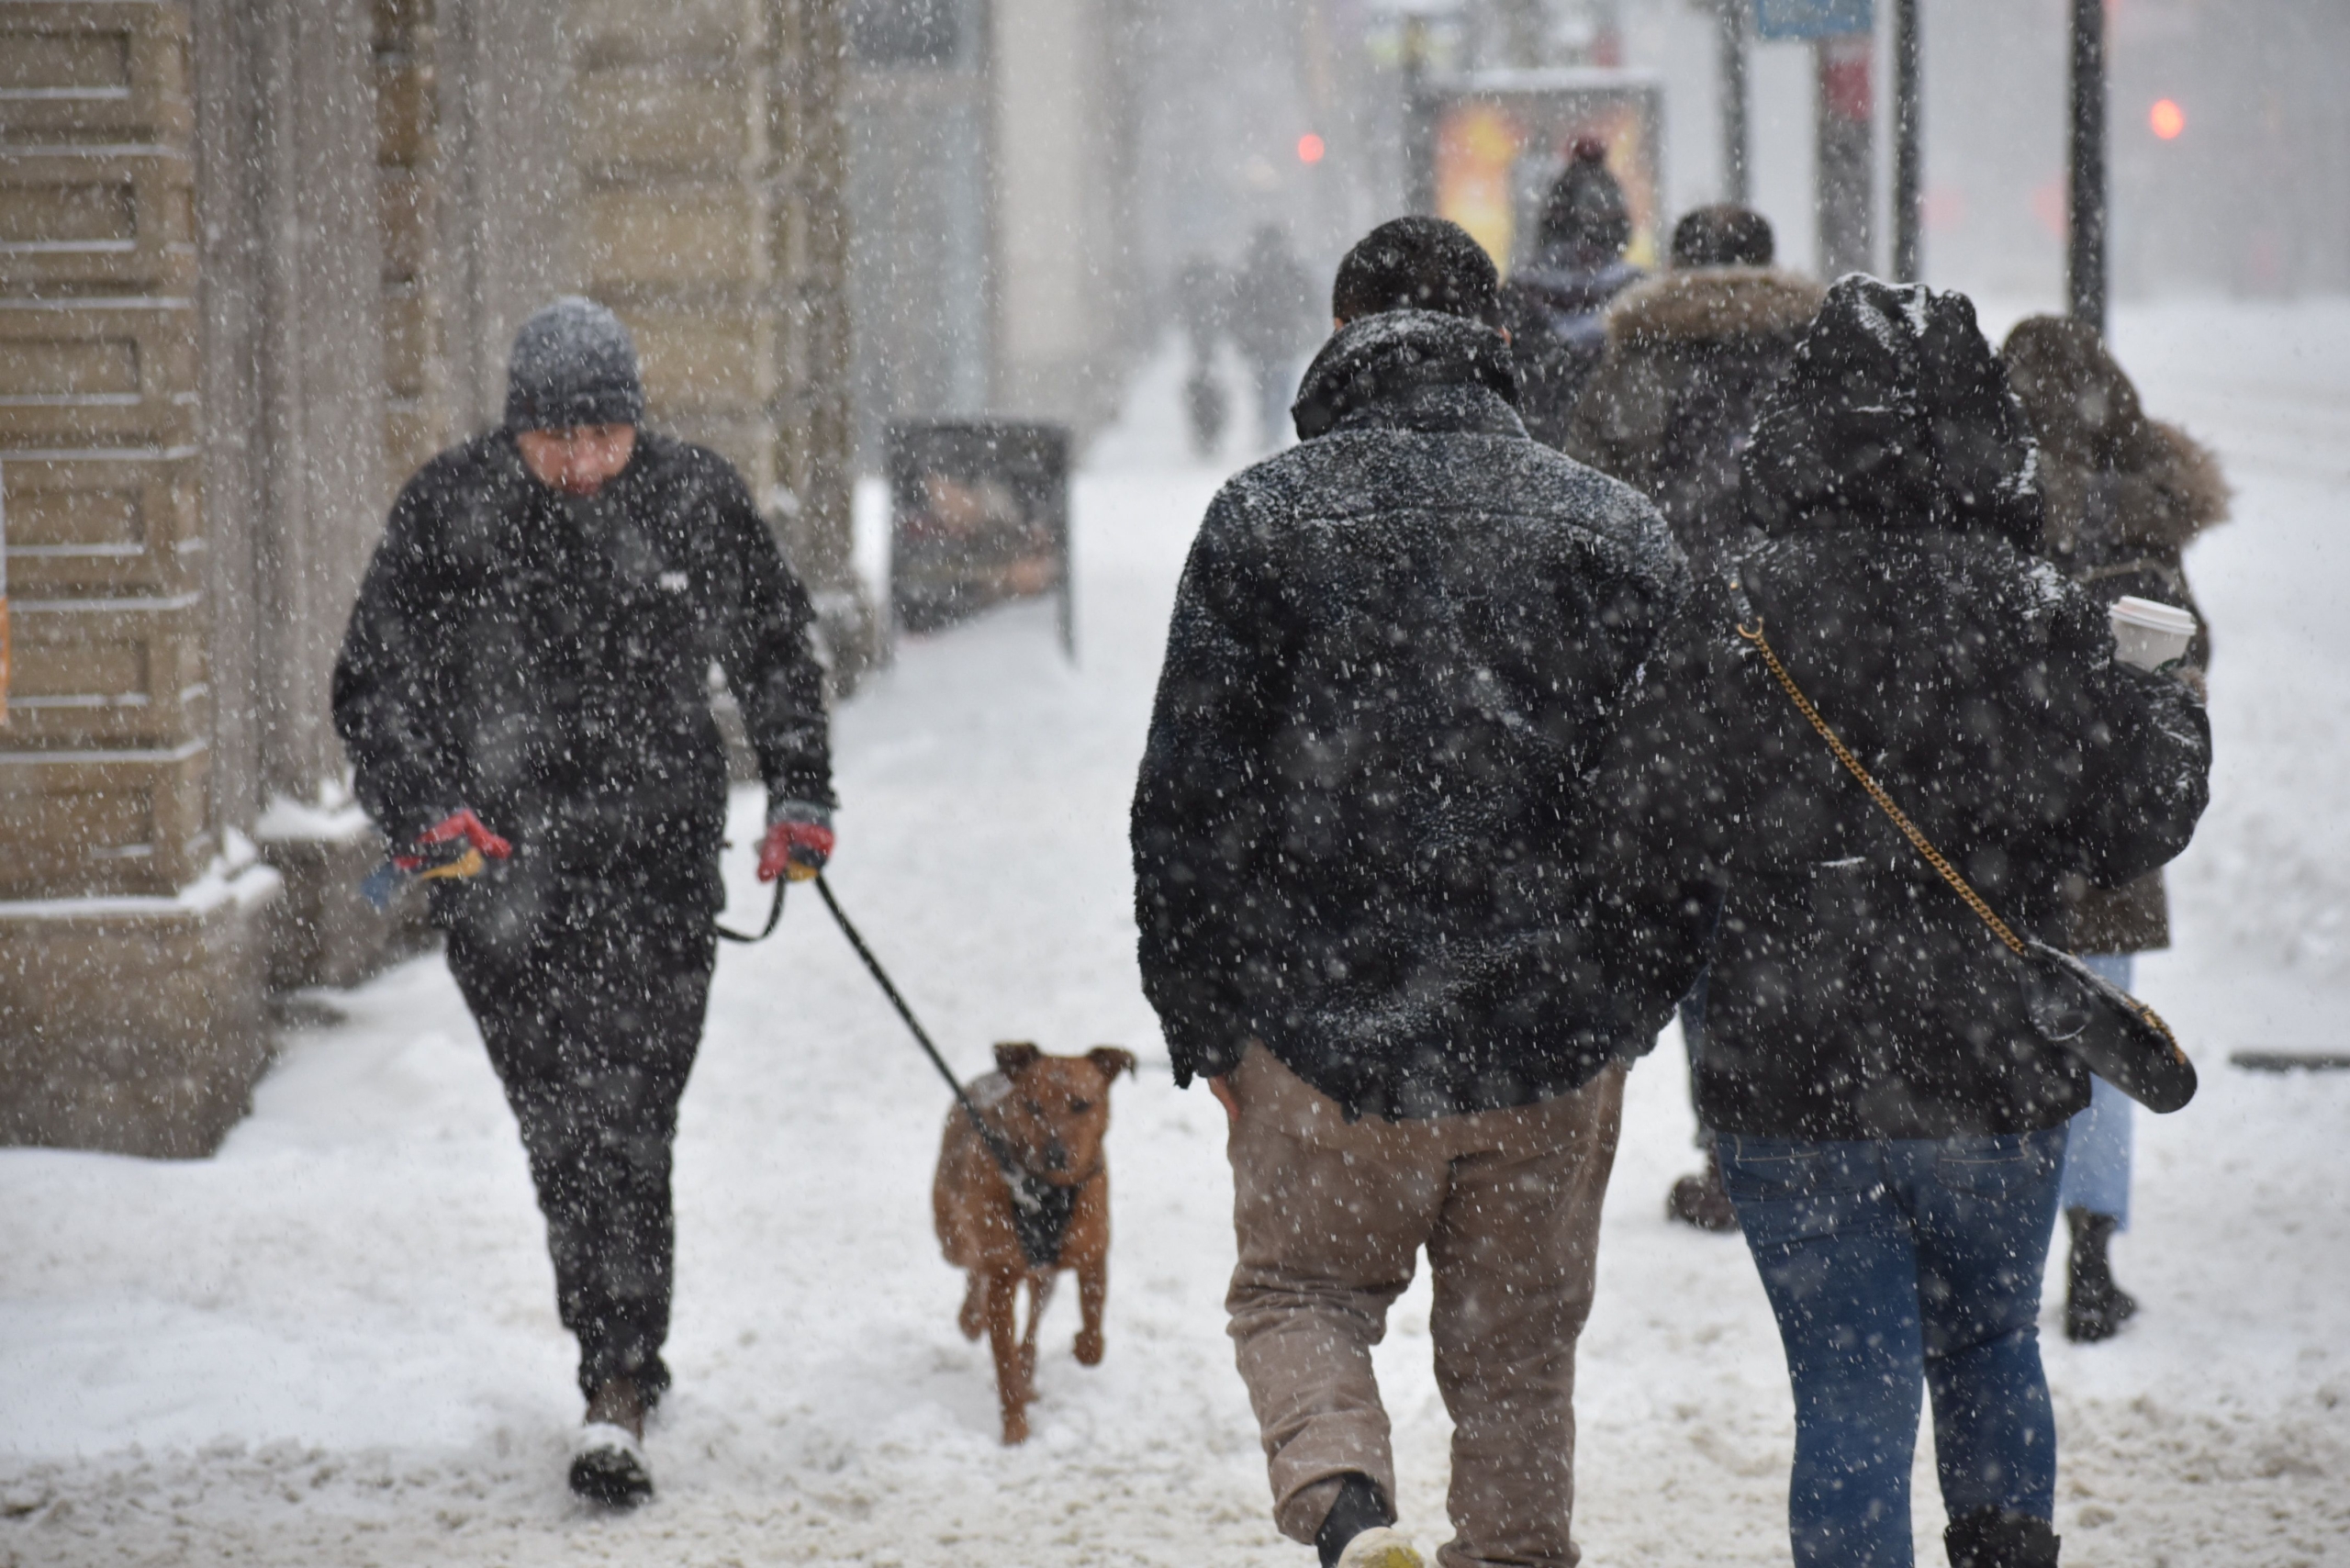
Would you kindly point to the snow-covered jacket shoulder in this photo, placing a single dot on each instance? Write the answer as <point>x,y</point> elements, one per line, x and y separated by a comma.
<point>1392,652</point>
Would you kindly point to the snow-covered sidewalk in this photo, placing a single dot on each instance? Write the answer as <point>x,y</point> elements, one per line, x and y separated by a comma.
<point>336,1343</point>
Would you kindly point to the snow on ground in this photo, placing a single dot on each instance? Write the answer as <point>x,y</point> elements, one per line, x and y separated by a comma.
<point>335,1343</point>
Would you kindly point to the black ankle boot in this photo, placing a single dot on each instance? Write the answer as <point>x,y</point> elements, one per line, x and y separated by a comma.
<point>2095,1307</point>
<point>1994,1538</point>
<point>1360,1507</point>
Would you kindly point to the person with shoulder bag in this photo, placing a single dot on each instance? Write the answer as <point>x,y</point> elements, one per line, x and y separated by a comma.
<point>1883,744</point>
<point>2125,495</point>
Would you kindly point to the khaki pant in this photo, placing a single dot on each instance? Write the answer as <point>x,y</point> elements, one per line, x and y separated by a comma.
<point>1328,1218</point>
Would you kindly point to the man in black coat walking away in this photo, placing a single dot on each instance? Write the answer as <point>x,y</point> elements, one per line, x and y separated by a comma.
<point>1555,305</point>
<point>1393,652</point>
<point>1691,354</point>
<point>526,679</point>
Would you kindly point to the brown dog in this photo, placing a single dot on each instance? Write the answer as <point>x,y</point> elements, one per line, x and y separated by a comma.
<point>1052,1113</point>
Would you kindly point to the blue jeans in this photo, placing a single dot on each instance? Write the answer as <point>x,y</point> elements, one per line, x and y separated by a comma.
<point>1895,1265</point>
<point>2097,1156</point>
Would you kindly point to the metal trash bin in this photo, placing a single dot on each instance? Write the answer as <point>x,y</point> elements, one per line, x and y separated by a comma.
<point>978,515</point>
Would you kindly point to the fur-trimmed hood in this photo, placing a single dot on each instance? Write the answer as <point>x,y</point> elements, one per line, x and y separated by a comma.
<point>2165,486</point>
<point>1710,303</point>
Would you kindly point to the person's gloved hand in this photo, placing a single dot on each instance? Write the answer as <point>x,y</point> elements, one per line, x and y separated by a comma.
<point>799,842</point>
<point>454,847</point>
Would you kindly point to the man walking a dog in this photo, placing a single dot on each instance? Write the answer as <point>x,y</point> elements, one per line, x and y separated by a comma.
<point>1393,654</point>
<point>524,692</point>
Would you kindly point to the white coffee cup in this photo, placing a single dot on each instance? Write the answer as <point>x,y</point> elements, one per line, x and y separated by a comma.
<point>2149,634</point>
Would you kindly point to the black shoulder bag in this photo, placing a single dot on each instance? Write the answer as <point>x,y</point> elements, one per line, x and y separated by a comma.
<point>2103,1028</point>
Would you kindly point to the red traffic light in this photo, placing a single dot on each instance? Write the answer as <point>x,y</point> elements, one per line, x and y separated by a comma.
<point>2167,119</point>
<point>1309,148</point>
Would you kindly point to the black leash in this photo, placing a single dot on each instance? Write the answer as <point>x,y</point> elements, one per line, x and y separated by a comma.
<point>1040,1211</point>
<point>775,918</point>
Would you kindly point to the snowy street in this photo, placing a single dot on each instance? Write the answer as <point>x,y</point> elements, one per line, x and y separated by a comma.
<point>336,1342</point>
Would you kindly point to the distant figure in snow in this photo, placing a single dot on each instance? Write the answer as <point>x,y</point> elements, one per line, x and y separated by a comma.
<point>1553,305</point>
<point>1273,319</point>
<point>1690,355</point>
<point>1889,1118</point>
<point>1200,297</point>
<point>2124,496</point>
<point>1394,648</point>
<point>526,680</point>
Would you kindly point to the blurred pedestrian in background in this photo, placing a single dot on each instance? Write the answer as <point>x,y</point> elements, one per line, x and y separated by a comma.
<point>1890,1122</point>
<point>2124,496</point>
<point>1201,296</point>
<point>1274,319</point>
<point>1552,305</point>
<point>1690,355</point>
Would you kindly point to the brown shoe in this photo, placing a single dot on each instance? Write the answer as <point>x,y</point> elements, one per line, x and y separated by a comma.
<point>1701,1200</point>
<point>610,1467</point>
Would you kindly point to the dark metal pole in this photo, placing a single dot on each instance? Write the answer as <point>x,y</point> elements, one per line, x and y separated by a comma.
<point>2085,254</point>
<point>1729,21</point>
<point>1909,153</point>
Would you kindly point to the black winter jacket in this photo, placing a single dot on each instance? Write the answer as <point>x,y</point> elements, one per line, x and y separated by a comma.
<point>1691,354</point>
<point>1851,995</point>
<point>1393,652</point>
<point>547,663</point>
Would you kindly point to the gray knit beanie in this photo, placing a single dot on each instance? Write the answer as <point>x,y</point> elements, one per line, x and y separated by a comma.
<point>573,363</point>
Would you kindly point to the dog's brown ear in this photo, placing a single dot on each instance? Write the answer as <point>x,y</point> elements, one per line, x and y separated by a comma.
<point>1013,1057</point>
<point>1109,1061</point>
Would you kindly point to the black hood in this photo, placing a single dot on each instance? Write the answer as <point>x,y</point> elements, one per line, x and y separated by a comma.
<point>1894,414</point>
<point>1455,372</point>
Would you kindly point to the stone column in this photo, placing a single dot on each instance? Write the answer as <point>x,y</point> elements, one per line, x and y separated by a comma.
<point>707,152</point>
<point>294,265</point>
<point>1063,183</point>
<point>417,417</point>
<point>132,938</point>
<point>507,192</point>
<point>805,174</point>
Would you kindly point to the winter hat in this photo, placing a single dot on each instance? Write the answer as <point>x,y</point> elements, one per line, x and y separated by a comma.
<point>1587,210</point>
<point>573,363</point>
<point>1417,264</point>
<point>1895,413</point>
<point>1723,235</point>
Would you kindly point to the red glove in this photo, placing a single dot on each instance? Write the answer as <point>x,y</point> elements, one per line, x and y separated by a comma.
<point>796,850</point>
<point>460,825</point>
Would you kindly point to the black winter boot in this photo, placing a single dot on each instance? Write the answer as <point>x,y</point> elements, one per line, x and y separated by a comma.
<point>2095,1307</point>
<point>1701,1200</point>
<point>1360,1507</point>
<point>1994,1538</point>
<point>609,1465</point>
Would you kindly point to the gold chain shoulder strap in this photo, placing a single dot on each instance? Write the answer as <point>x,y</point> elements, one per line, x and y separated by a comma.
<point>1999,928</point>
<point>1918,840</point>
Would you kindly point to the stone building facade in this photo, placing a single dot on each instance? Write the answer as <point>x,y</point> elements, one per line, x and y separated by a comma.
<point>258,259</point>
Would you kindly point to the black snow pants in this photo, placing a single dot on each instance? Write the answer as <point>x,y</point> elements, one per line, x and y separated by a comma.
<point>591,1006</point>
